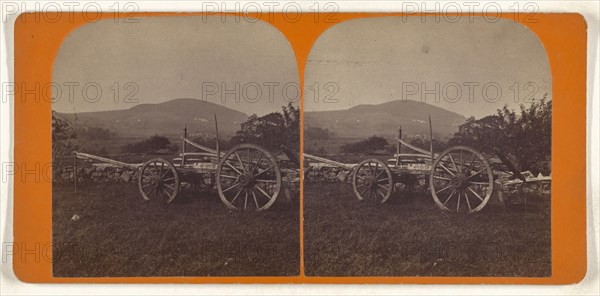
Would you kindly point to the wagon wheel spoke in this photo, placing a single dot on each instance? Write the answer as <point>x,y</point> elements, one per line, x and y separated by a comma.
<point>382,194</point>
<point>246,200</point>
<point>231,187</point>
<point>447,170</point>
<point>271,167</point>
<point>379,174</point>
<point>236,195</point>
<point>169,186</point>
<point>249,158</point>
<point>228,177</point>
<point>381,186</point>
<point>149,192</point>
<point>359,185</point>
<point>167,193</point>
<point>444,189</point>
<point>255,201</point>
<point>453,163</point>
<point>475,193</point>
<point>156,193</point>
<point>449,196</point>
<point>150,170</point>
<point>462,161</point>
<point>362,193</point>
<point>241,162</point>
<point>236,170</point>
<point>257,164</point>
<point>442,178</point>
<point>468,203</point>
<point>266,181</point>
<point>146,185</point>
<point>471,163</point>
<point>263,192</point>
<point>479,183</point>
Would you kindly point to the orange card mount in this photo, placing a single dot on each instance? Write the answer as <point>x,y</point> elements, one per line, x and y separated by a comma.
<point>61,225</point>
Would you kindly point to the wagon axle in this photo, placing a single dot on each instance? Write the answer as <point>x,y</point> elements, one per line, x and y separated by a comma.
<point>459,181</point>
<point>247,180</point>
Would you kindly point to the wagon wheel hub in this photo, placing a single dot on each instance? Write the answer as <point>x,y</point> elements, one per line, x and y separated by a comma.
<point>246,180</point>
<point>372,182</point>
<point>460,181</point>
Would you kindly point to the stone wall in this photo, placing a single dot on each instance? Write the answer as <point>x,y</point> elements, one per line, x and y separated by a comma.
<point>96,173</point>
<point>327,174</point>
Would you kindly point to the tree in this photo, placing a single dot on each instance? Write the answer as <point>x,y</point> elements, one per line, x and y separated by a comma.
<point>525,138</point>
<point>64,136</point>
<point>272,130</point>
<point>369,145</point>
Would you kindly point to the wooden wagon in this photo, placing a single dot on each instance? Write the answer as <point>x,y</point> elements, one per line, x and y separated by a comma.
<point>246,177</point>
<point>459,179</point>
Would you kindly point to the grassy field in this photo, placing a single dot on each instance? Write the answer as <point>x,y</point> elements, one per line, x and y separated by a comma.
<point>410,236</point>
<point>118,234</point>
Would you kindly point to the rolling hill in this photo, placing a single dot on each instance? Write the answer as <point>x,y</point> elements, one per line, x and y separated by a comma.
<point>166,118</point>
<point>366,120</point>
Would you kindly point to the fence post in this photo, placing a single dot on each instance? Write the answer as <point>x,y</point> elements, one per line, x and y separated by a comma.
<point>184,145</point>
<point>75,173</point>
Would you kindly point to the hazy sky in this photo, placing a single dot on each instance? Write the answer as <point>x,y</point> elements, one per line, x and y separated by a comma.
<point>371,61</point>
<point>175,57</point>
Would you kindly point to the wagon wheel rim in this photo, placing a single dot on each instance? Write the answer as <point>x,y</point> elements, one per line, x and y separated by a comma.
<point>158,180</point>
<point>372,180</point>
<point>248,178</point>
<point>461,180</point>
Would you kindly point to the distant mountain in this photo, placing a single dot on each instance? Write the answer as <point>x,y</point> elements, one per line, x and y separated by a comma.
<point>366,120</point>
<point>166,118</point>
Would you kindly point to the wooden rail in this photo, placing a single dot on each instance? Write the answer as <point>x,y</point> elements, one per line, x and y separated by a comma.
<point>417,149</point>
<point>203,148</point>
<point>329,161</point>
<point>81,155</point>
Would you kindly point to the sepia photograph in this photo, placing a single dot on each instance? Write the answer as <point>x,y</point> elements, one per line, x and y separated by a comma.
<point>175,147</point>
<point>427,149</point>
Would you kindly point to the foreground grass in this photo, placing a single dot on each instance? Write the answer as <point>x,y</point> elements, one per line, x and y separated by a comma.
<point>118,234</point>
<point>412,237</point>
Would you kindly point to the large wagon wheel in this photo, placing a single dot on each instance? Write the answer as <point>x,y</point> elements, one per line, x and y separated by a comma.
<point>158,180</point>
<point>373,180</point>
<point>461,179</point>
<point>248,177</point>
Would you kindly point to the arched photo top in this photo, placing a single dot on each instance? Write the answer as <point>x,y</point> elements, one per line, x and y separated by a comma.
<point>239,63</point>
<point>470,66</point>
